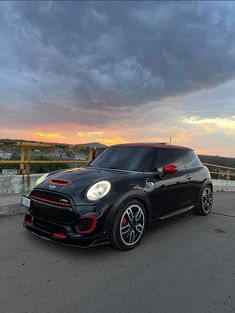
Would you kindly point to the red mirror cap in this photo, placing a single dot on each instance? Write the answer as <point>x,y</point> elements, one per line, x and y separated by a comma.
<point>170,169</point>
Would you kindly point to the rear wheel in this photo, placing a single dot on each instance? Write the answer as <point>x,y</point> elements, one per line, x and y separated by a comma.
<point>129,225</point>
<point>205,201</point>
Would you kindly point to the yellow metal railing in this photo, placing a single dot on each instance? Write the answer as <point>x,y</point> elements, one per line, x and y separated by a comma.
<point>219,171</point>
<point>25,154</point>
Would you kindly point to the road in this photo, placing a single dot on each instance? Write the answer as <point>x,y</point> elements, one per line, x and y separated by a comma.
<point>184,265</point>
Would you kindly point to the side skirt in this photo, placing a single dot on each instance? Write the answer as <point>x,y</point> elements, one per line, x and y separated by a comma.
<point>176,212</point>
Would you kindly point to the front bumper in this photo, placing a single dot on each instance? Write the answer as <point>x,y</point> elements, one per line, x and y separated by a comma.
<point>64,234</point>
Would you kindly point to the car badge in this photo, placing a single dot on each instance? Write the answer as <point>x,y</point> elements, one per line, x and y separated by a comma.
<point>64,200</point>
<point>52,187</point>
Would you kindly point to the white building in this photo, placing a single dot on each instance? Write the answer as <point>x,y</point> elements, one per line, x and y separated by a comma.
<point>5,155</point>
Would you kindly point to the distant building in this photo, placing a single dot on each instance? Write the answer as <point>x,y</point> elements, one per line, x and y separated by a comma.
<point>5,155</point>
<point>9,171</point>
<point>58,154</point>
<point>81,155</point>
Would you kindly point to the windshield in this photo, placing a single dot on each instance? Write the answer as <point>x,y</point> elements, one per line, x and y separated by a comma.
<point>139,159</point>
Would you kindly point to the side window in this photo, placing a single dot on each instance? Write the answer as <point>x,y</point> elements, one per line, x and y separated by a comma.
<point>171,156</point>
<point>191,159</point>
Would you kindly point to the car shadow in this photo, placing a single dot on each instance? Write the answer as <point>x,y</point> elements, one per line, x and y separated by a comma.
<point>151,234</point>
<point>163,226</point>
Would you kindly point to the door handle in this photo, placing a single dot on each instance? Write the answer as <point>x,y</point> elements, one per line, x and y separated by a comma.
<point>189,177</point>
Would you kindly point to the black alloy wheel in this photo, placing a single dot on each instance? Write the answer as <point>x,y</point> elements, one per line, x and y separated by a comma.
<point>129,225</point>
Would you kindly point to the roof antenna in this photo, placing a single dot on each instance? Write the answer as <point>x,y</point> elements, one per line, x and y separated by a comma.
<point>170,140</point>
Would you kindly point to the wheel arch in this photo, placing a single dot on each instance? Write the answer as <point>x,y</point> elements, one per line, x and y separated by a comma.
<point>131,195</point>
<point>143,202</point>
<point>207,182</point>
<point>198,208</point>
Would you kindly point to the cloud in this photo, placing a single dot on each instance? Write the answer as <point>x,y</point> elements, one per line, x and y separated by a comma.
<point>90,134</point>
<point>46,136</point>
<point>130,70</point>
<point>118,54</point>
<point>212,125</point>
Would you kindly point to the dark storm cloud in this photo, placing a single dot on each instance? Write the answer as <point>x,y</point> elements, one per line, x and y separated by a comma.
<point>112,54</point>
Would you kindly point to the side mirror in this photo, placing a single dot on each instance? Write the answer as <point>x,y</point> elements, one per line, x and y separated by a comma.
<point>169,169</point>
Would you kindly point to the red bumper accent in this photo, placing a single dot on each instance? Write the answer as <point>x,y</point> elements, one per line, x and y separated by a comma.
<point>59,235</point>
<point>92,227</point>
<point>28,223</point>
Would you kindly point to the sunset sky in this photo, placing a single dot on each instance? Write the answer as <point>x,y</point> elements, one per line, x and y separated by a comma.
<point>112,72</point>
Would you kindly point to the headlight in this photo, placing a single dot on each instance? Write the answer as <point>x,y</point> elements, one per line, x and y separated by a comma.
<point>98,190</point>
<point>41,179</point>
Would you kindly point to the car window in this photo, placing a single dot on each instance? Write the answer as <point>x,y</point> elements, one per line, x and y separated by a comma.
<point>171,156</point>
<point>138,159</point>
<point>191,159</point>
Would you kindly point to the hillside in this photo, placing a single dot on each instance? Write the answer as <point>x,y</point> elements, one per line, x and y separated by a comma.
<point>214,159</point>
<point>224,161</point>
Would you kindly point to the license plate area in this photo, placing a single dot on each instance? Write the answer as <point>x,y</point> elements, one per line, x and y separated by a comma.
<point>25,201</point>
<point>44,225</point>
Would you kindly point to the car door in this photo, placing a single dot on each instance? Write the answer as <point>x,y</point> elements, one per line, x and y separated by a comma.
<point>194,168</point>
<point>170,192</point>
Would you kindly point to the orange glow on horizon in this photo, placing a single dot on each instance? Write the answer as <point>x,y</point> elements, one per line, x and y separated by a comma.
<point>90,134</point>
<point>50,136</point>
<point>71,135</point>
<point>100,136</point>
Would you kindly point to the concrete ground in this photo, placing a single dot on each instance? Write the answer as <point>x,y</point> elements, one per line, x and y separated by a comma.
<point>9,204</point>
<point>184,265</point>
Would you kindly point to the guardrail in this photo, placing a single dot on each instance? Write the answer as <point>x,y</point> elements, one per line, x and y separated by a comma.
<point>220,171</point>
<point>25,154</point>
<point>217,171</point>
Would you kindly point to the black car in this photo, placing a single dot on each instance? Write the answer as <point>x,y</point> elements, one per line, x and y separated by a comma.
<point>118,195</point>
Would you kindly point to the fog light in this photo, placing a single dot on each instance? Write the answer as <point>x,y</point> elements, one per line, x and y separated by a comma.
<point>87,225</point>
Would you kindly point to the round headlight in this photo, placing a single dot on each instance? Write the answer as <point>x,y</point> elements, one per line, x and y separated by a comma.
<point>98,190</point>
<point>41,179</point>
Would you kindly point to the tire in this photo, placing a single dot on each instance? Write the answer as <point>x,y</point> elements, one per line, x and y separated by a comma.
<point>205,201</point>
<point>129,225</point>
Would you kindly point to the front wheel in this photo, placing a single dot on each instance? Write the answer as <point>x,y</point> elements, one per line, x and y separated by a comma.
<point>129,226</point>
<point>205,201</point>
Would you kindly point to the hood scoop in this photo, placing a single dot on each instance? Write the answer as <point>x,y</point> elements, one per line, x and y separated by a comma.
<point>59,182</point>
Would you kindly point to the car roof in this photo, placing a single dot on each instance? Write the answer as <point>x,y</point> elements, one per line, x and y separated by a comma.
<point>152,145</point>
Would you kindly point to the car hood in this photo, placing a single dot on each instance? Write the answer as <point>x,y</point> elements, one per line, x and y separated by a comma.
<point>78,180</point>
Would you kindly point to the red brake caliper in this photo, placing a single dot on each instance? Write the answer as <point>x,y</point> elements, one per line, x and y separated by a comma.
<point>124,221</point>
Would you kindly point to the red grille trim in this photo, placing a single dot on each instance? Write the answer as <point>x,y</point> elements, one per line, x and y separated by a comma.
<point>51,201</point>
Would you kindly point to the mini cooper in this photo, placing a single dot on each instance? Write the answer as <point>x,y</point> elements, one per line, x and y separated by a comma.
<point>118,195</point>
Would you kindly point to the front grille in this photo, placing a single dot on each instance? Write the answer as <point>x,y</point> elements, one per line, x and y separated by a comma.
<point>52,206</point>
<point>52,198</point>
<point>47,226</point>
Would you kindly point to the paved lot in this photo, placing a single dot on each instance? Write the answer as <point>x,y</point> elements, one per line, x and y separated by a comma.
<point>184,265</point>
